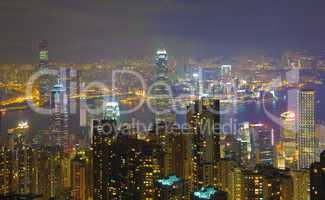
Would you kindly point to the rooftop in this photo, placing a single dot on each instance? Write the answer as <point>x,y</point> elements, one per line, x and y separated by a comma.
<point>169,181</point>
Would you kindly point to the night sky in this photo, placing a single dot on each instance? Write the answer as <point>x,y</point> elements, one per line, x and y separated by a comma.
<point>88,30</point>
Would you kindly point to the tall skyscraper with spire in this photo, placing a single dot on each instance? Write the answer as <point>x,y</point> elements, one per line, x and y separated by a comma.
<point>161,66</point>
<point>161,90</point>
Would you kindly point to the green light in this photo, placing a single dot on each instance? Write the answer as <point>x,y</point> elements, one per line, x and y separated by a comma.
<point>43,55</point>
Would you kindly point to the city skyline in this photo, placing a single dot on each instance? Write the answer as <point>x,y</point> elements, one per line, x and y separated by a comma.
<point>162,100</point>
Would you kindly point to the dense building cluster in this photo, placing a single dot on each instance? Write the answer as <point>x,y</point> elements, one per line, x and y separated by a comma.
<point>110,160</point>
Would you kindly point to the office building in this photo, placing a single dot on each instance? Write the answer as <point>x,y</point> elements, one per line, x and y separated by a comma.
<point>229,179</point>
<point>306,137</point>
<point>262,144</point>
<point>78,176</point>
<point>266,182</point>
<point>59,118</point>
<point>44,65</point>
<point>287,154</point>
<point>160,100</point>
<point>204,121</point>
<point>301,184</point>
<point>245,144</point>
<point>103,158</point>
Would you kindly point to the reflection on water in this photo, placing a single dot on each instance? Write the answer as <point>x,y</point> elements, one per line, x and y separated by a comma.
<point>235,113</point>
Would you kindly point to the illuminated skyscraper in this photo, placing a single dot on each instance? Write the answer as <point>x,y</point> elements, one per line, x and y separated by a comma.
<point>161,99</point>
<point>306,137</point>
<point>301,184</point>
<point>71,79</point>
<point>229,179</point>
<point>78,181</point>
<point>266,182</point>
<point>184,160</point>
<point>6,171</point>
<point>137,168</point>
<point>161,66</point>
<point>59,117</point>
<point>204,121</point>
<point>103,158</point>
<point>287,148</point>
<point>265,146</point>
<point>246,145</point>
<point>166,139</point>
<point>44,65</point>
<point>24,169</point>
<point>43,54</point>
<point>262,141</point>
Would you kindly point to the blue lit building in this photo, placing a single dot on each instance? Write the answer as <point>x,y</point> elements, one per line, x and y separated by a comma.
<point>209,193</point>
<point>171,187</point>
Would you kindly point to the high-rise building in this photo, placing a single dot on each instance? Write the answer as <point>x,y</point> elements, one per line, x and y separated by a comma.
<point>166,139</point>
<point>229,179</point>
<point>245,144</point>
<point>70,79</point>
<point>78,176</point>
<point>301,184</point>
<point>306,137</point>
<point>177,157</point>
<point>43,54</point>
<point>230,147</point>
<point>24,169</point>
<point>161,98</point>
<point>287,154</point>
<point>161,67</point>
<point>183,158</point>
<point>204,123</point>
<point>103,158</point>
<point>317,179</point>
<point>263,144</point>
<point>59,118</point>
<point>50,183</point>
<point>44,65</point>
<point>266,182</point>
<point>6,171</point>
<point>140,161</point>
